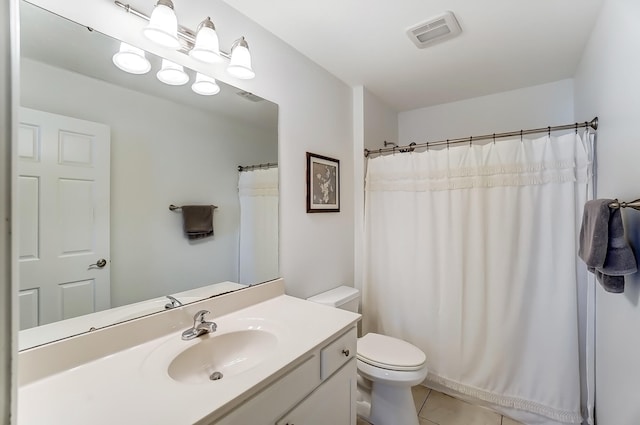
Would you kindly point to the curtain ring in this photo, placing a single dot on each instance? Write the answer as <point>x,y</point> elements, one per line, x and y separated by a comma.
<point>447,144</point>
<point>576,128</point>
<point>521,132</point>
<point>428,146</point>
<point>549,131</point>
<point>494,138</point>
<point>470,141</point>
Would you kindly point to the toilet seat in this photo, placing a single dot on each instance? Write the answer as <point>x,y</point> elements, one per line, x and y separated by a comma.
<point>390,353</point>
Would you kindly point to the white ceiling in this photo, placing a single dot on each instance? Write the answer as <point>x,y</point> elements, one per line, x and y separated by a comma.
<point>505,44</point>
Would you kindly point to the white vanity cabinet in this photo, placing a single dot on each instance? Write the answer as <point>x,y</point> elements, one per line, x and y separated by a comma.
<point>321,390</point>
<point>331,403</point>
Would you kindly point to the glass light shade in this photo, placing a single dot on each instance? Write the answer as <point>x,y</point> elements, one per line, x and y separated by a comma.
<point>163,27</point>
<point>131,59</point>
<point>205,85</point>
<point>240,64</point>
<point>172,74</point>
<point>206,48</point>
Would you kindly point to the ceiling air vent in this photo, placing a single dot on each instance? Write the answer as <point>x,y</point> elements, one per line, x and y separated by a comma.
<point>436,29</point>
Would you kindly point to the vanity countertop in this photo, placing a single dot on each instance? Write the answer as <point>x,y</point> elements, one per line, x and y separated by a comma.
<point>133,386</point>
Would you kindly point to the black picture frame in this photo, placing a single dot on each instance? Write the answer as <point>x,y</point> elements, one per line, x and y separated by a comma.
<point>323,184</point>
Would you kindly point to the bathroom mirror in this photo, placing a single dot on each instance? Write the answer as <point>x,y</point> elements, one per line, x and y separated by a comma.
<point>102,154</point>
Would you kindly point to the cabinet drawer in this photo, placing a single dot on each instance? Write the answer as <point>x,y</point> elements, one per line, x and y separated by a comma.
<point>338,353</point>
<point>267,406</point>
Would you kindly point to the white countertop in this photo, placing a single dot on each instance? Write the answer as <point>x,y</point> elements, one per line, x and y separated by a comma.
<point>133,387</point>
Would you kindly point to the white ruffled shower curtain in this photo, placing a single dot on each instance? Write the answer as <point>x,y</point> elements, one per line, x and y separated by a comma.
<point>470,254</point>
<point>258,257</point>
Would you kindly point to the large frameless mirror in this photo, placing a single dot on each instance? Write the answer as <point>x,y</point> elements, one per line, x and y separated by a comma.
<point>102,154</point>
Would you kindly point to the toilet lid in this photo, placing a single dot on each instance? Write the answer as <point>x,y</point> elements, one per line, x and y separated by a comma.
<point>389,353</point>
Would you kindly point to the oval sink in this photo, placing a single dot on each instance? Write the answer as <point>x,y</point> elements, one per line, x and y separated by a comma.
<point>228,354</point>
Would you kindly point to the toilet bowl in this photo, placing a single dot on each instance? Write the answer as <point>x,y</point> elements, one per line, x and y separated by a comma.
<point>388,367</point>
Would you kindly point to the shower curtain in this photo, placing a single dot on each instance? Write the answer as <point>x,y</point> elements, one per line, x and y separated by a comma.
<point>471,255</point>
<point>258,257</point>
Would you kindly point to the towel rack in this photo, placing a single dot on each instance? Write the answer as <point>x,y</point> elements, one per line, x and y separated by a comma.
<point>633,204</point>
<point>175,208</point>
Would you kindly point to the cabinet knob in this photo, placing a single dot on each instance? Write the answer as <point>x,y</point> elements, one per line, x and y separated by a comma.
<point>346,353</point>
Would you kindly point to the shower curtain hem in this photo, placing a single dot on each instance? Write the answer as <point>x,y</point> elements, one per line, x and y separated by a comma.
<point>559,415</point>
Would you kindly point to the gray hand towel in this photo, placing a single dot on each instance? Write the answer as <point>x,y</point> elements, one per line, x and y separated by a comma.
<point>603,246</point>
<point>197,221</point>
<point>594,233</point>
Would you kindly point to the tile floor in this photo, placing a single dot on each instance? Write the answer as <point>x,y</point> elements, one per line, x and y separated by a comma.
<point>435,408</point>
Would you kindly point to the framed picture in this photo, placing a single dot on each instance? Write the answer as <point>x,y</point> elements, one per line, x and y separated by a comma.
<point>323,184</point>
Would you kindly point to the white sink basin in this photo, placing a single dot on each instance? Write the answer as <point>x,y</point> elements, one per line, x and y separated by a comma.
<point>239,345</point>
<point>227,354</point>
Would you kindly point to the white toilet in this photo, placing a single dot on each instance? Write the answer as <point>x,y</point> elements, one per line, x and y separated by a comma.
<point>387,367</point>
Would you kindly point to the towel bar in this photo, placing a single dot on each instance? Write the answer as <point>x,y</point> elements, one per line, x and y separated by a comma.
<point>633,204</point>
<point>175,208</point>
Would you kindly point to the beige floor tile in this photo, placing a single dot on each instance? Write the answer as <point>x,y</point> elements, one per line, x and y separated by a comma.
<point>420,394</point>
<point>421,420</point>
<point>445,410</point>
<point>509,421</point>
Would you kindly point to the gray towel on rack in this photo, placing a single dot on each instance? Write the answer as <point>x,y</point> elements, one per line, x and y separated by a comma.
<point>603,246</point>
<point>197,221</point>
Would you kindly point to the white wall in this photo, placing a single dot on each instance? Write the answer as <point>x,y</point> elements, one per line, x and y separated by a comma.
<point>373,123</point>
<point>380,122</point>
<point>314,114</point>
<point>531,107</point>
<point>191,158</point>
<point>607,84</point>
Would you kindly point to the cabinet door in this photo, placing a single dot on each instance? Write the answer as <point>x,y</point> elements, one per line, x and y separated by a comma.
<point>333,402</point>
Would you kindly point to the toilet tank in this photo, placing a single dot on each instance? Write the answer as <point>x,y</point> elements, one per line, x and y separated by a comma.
<point>343,297</point>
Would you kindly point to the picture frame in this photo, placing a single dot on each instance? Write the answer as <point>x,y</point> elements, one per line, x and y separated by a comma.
<point>323,184</point>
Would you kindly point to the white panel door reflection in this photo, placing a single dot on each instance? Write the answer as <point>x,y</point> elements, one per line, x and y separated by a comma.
<point>63,205</point>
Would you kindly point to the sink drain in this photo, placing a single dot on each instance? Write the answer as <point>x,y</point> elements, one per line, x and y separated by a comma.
<point>215,376</point>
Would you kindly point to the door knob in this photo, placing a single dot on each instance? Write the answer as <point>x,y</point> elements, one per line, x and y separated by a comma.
<point>99,264</point>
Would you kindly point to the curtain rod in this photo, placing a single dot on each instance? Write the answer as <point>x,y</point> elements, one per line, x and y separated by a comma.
<point>257,166</point>
<point>413,146</point>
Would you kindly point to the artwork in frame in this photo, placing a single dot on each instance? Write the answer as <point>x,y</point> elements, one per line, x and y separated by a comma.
<point>323,184</point>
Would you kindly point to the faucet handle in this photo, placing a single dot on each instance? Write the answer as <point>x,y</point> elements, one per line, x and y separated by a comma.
<point>199,316</point>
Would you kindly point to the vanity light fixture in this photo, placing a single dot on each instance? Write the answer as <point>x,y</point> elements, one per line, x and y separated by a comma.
<point>163,25</point>
<point>204,46</point>
<point>240,65</point>
<point>131,59</point>
<point>205,85</point>
<point>172,74</point>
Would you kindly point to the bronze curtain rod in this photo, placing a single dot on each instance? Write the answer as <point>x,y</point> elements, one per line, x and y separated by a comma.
<point>257,166</point>
<point>176,208</point>
<point>413,146</point>
<point>619,204</point>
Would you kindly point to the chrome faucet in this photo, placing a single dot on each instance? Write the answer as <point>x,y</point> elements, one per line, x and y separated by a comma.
<point>173,304</point>
<point>200,326</point>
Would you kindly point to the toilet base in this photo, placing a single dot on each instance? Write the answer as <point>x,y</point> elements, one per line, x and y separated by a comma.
<point>387,405</point>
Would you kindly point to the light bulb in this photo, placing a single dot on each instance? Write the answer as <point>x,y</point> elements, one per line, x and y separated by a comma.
<point>172,74</point>
<point>205,85</point>
<point>131,59</point>
<point>163,25</point>
<point>240,64</point>
<point>206,48</point>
